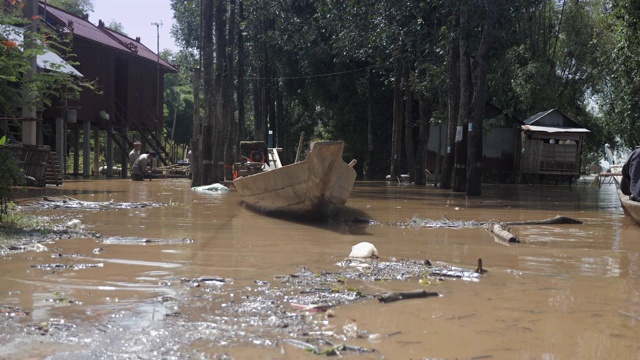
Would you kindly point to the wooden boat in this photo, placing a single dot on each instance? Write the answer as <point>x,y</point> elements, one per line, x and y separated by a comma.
<point>309,189</point>
<point>631,208</point>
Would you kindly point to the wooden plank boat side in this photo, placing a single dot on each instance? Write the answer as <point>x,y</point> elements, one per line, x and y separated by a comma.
<point>304,189</point>
<point>631,208</point>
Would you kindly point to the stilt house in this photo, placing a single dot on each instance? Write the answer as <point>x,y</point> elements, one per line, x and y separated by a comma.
<point>128,107</point>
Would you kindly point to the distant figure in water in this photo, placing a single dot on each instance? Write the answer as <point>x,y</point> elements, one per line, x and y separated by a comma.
<point>630,183</point>
<point>133,155</point>
<point>139,169</point>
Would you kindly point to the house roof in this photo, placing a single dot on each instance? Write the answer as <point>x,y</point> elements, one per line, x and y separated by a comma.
<point>553,118</point>
<point>48,60</point>
<point>551,129</point>
<point>136,46</point>
<point>83,28</point>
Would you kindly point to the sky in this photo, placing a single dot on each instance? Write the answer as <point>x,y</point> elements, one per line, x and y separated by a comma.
<point>136,17</point>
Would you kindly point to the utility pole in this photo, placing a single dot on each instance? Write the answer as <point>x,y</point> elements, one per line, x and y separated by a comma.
<point>159,108</point>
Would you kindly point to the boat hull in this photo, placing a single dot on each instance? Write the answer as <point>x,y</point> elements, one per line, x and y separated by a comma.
<point>308,189</point>
<point>631,208</point>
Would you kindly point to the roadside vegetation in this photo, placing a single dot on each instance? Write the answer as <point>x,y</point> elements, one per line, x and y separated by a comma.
<point>10,175</point>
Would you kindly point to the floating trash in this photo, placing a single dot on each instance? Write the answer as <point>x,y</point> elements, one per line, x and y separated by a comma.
<point>66,266</point>
<point>133,240</point>
<point>74,224</point>
<point>364,250</point>
<point>211,188</point>
<point>71,203</point>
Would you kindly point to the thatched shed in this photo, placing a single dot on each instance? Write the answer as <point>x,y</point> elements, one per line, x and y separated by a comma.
<point>551,146</point>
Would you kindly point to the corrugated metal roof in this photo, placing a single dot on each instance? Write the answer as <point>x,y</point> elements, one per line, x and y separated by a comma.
<point>48,60</point>
<point>51,61</point>
<point>82,28</point>
<point>99,34</point>
<point>537,116</point>
<point>549,129</point>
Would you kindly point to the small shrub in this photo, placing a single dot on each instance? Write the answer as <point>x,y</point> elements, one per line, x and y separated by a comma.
<point>10,175</point>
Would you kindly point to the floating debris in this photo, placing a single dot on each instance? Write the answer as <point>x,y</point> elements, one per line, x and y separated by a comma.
<point>66,266</point>
<point>333,349</point>
<point>133,240</point>
<point>74,224</point>
<point>447,270</point>
<point>48,203</point>
<point>364,250</point>
<point>12,311</point>
<point>28,247</point>
<point>417,222</point>
<point>211,188</point>
<point>59,298</point>
<point>54,324</point>
<point>214,280</point>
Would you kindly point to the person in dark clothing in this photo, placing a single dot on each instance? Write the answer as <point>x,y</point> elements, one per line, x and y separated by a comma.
<point>630,182</point>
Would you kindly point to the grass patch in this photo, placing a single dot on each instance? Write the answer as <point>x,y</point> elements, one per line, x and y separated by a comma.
<point>16,223</point>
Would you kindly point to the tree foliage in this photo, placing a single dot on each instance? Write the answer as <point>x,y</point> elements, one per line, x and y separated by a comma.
<point>17,48</point>
<point>76,7</point>
<point>334,69</point>
<point>116,26</point>
<point>10,175</point>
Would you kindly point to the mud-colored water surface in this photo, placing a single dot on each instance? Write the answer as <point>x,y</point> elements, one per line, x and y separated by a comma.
<point>183,274</point>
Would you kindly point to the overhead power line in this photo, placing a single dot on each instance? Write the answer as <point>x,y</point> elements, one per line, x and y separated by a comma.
<point>310,76</point>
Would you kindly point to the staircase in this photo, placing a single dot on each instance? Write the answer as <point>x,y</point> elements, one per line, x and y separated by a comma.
<point>52,170</point>
<point>11,128</point>
<point>119,132</point>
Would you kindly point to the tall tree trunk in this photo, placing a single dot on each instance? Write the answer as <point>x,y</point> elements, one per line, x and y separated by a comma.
<point>261,88</point>
<point>396,133</point>
<point>460,171</point>
<point>423,140</point>
<point>453,106</point>
<point>194,145</point>
<point>474,159</point>
<point>408,124</point>
<point>370,172</point>
<point>221,127</point>
<point>232,139</point>
<point>241,86</point>
<point>206,152</point>
<point>272,121</point>
<point>280,126</point>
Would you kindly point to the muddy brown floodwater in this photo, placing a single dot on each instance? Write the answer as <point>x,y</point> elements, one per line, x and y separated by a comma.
<point>201,276</point>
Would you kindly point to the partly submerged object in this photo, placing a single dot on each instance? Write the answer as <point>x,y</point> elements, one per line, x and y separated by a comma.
<point>364,250</point>
<point>309,189</point>
<point>213,187</point>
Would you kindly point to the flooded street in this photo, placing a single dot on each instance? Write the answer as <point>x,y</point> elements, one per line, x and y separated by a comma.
<point>201,276</point>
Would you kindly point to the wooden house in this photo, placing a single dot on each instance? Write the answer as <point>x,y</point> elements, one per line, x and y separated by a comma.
<point>551,146</point>
<point>127,107</point>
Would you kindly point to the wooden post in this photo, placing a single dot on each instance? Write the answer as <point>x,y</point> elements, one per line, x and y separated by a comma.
<point>86,153</point>
<point>299,147</point>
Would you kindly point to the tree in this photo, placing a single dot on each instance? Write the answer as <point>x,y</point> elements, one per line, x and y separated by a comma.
<point>76,7</point>
<point>37,91</point>
<point>116,26</point>
<point>474,159</point>
<point>10,175</point>
<point>330,68</point>
<point>206,148</point>
<point>17,49</point>
<point>618,100</point>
